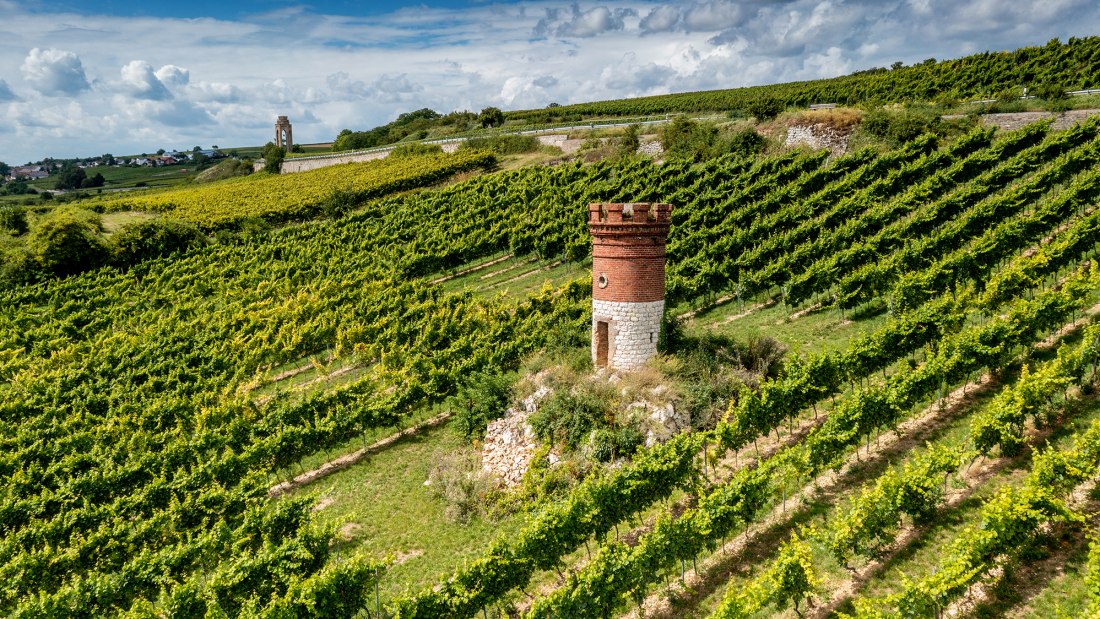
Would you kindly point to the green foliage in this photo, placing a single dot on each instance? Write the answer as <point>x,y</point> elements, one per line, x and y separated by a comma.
<point>765,108</point>
<point>900,126</point>
<point>273,158</point>
<point>484,398</point>
<point>502,144</point>
<point>70,177</point>
<point>416,149</point>
<point>68,240</point>
<point>408,124</point>
<point>13,220</point>
<point>339,202</point>
<point>491,117</point>
<point>568,416</point>
<point>154,238</point>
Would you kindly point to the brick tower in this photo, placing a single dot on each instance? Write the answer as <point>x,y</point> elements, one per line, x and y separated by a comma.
<point>628,281</point>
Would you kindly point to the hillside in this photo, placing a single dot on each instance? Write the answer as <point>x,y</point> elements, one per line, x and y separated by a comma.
<point>896,348</point>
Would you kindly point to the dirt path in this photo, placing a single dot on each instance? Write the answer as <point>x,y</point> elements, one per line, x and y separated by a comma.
<point>526,273</point>
<point>354,457</point>
<point>476,267</point>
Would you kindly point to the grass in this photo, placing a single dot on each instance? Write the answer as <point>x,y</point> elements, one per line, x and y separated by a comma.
<point>383,507</point>
<point>517,277</point>
<point>804,332</point>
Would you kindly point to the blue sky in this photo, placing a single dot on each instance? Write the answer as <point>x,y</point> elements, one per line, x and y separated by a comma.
<point>86,78</point>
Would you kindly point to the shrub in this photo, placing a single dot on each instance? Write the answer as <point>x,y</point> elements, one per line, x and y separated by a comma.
<point>606,444</point>
<point>478,402</point>
<point>568,416</point>
<point>745,142</point>
<point>153,238</point>
<point>458,480</point>
<point>68,241</point>
<point>273,158</point>
<point>900,126</point>
<point>507,144</point>
<point>415,149</point>
<point>765,108</point>
<point>13,220</point>
<point>339,202</point>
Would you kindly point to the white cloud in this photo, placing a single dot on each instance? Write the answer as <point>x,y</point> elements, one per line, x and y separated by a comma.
<point>54,72</point>
<point>141,82</point>
<point>223,82</point>
<point>173,76</point>
<point>582,23</point>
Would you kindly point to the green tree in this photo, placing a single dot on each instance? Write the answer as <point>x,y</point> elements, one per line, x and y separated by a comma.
<point>5,169</point>
<point>68,241</point>
<point>273,158</point>
<point>71,177</point>
<point>491,117</point>
<point>765,108</point>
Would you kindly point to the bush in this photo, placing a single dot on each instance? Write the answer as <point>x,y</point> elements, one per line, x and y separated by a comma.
<point>900,126</point>
<point>568,416</point>
<point>629,142</point>
<point>686,138</point>
<point>68,241</point>
<point>273,158</point>
<point>416,149</point>
<point>480,401</point>
<point>19,267</point>
<point>608,444</point>
<point>13,220</point>
<point>765,108</point>
<point>339,202</point>
<point>745,142</point>
<point>153,238</point>
<point>458,480</point>
<point>507,144</point>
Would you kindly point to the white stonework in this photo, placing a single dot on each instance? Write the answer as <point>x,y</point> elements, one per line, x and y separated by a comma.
<point>633,329</point>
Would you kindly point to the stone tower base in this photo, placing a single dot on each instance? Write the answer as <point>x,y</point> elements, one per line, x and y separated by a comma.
<point>629,332</point>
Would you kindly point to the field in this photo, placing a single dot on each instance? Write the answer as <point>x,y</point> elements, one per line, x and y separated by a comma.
<point>928,446</point>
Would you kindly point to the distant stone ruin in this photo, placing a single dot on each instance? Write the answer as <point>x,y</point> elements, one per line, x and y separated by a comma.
<point>284,135</point>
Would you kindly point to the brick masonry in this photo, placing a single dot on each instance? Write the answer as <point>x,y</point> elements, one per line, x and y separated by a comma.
<point>628,279</point>
<point>633,329</point>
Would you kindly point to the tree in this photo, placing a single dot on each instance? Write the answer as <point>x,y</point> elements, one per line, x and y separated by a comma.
<point>160,151</point>
<point>765,108</point>
<point>273,157</point>
<point>93,182</point>
<point>5,169</point>
<point>71,177</point>
<point>491,117</point>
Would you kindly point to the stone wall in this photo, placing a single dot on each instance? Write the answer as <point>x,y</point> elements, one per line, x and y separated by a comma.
<point>510,444</point>
<point>1010,121</point>
<point>313,162</point>
<point>818,136</point>
<point>633,330</point>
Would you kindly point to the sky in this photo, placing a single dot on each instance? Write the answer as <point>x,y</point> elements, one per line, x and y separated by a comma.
<point>80,79</point>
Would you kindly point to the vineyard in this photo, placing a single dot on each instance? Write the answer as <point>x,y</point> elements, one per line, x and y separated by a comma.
<point>297,196</point>
<point>1065,66</point>
<point>916,468</point>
